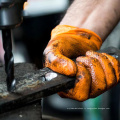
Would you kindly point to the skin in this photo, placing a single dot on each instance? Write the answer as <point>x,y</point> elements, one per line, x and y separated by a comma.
<point>95,73</point>
<point>100,16</point>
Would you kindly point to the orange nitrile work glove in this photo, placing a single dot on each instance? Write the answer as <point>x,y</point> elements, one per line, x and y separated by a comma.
<point>95,72</point>
<point>69,42</point>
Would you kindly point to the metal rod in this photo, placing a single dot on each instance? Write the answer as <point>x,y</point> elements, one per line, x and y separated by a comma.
<point>9,60</point>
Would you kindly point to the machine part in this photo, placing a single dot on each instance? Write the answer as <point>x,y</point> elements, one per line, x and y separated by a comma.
<point>32,85</point>
<point>45,7</point>
<point>9,60</point>
<point>10,13</point>
<point>10,17</point>
<point>30,112</point>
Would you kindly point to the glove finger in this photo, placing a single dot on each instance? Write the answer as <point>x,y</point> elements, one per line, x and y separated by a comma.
<point>82,85</point>
<point>106,66</point>
<point>61,64</point>
<point>116,65</point>
<point>98,85</point>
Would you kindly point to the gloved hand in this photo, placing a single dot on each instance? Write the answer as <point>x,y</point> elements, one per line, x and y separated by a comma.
<point>95,73</point>
<point>69,42</point>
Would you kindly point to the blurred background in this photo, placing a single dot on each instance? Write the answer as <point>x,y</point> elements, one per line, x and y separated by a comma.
<point>29,41</point>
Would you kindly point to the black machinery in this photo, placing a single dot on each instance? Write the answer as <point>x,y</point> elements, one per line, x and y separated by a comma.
<point>10,17</point>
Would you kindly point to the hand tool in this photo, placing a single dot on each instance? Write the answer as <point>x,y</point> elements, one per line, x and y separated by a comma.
<point>10,17</point>
<point>32,85</point>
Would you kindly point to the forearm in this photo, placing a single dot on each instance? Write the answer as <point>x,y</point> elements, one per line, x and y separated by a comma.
<point>100,16</point>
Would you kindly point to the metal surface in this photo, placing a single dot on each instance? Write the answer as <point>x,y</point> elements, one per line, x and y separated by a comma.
<point>30,112</point>
<point>10,17</point>
<point>9,60</point>
<point>111,51</point>
<point>10,13</point>
<point>30,87</point>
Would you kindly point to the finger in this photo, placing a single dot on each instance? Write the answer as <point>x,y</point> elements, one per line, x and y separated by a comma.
<point>60,64</point>
<point>106,66</point>
<point>98,85</point>
<point>116,65</point>
<point>82,85</point>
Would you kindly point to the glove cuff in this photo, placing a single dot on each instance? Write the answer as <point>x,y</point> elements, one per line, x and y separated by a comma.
<point>85,33</point>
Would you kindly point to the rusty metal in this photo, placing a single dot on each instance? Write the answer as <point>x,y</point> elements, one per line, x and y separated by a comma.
<point>30,87</point>
<point>30,112</point>
<point>31,84</point>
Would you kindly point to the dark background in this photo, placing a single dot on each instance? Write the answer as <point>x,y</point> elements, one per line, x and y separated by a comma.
<point>30,40</point>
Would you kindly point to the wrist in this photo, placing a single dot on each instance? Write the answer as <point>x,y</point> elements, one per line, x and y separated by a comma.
<point>100,17</point>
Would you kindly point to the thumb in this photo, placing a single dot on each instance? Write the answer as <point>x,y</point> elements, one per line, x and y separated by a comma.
<point>59,63</point>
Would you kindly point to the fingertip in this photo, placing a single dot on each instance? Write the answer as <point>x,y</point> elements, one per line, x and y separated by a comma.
<point>90,52</point>
<point>71,68</point>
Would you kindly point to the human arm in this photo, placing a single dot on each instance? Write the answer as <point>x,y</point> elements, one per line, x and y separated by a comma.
<point>89,32</point>
<point>99,16</point>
